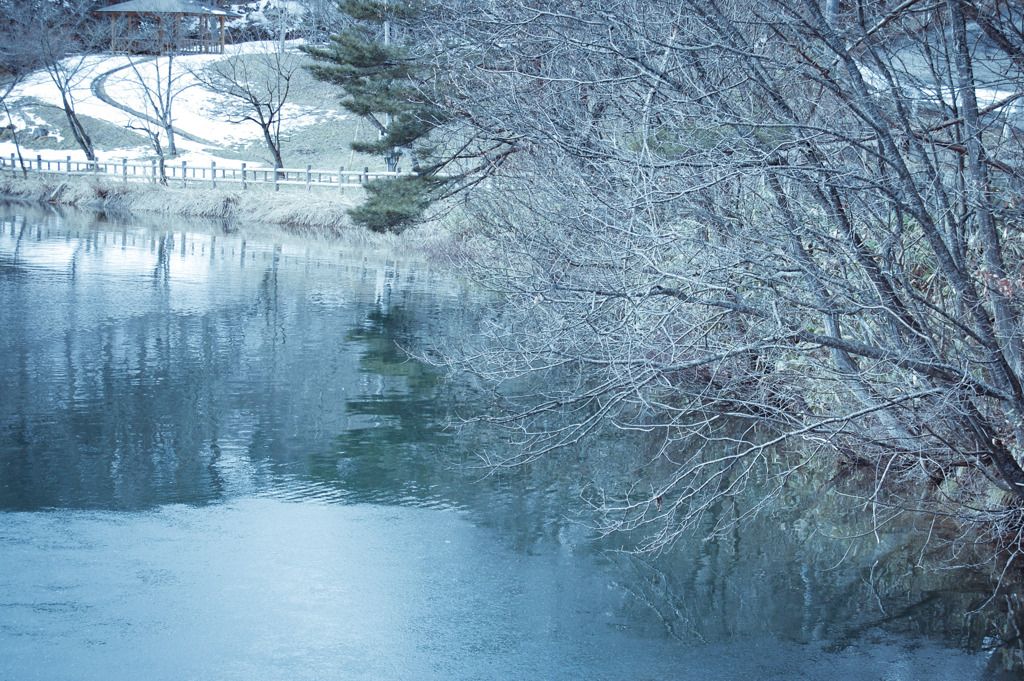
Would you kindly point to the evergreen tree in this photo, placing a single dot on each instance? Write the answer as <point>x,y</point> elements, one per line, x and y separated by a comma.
<point>382,77</point>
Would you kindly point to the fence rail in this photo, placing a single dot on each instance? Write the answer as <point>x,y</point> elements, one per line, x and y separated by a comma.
<point>197,175</point>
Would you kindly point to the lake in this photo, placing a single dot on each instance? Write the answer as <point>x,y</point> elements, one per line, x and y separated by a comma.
<point>218,461</point>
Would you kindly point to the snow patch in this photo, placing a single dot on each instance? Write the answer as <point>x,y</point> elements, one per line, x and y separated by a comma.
<point>213,117</point>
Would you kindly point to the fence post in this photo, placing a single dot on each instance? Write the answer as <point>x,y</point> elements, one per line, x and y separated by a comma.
<point>95,167</point>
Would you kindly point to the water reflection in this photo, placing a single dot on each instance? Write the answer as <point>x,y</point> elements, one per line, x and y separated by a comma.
<point>147,368</point>
<point>143,369</point>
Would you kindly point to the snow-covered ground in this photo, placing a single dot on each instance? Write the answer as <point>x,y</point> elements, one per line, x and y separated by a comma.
<point>215,118</point>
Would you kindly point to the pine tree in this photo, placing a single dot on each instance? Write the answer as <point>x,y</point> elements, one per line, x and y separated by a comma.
<point>380,75</point>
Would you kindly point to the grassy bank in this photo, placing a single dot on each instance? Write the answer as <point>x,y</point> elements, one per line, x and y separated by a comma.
<point>317,214</point>
<point>319,209</point>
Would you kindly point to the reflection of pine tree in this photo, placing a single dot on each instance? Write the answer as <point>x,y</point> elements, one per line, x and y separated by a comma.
<point>380,76</point>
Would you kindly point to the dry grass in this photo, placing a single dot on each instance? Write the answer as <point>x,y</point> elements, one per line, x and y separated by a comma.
<point>317,208</point>
<point>317,214</point>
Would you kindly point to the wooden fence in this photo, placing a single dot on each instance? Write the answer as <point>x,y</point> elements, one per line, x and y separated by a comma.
<point>197,175</point>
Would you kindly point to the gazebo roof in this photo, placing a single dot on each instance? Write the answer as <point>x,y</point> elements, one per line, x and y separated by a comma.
<point>189,7</point>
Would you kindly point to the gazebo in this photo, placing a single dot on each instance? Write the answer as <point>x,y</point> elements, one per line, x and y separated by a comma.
<point>165,18</point>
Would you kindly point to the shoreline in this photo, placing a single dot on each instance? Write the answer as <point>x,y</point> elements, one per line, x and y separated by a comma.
<point>316,215</point>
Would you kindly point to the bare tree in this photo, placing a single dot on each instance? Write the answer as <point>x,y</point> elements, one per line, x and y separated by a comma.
<point>12,126</point>
<point>319,19</point>
<point>157,84</point>
<point>17,60</point>
<point>259,82</point>
<point>720,209</point>
<point>62,34</point>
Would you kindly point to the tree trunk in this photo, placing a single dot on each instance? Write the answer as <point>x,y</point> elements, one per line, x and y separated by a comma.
<point>274,149</point>
<point>17,145</point>
<point>172,148</point>
<point>77,129</point>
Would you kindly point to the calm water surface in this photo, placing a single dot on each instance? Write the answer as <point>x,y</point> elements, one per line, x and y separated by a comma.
<point>216,462</point>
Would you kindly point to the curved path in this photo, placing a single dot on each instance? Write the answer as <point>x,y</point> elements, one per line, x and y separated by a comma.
<point>98,87</point>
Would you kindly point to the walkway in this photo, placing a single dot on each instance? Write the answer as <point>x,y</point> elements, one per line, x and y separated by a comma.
<point>98,87</point>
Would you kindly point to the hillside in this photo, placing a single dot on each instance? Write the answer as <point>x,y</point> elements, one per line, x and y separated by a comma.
<point>314,128</point>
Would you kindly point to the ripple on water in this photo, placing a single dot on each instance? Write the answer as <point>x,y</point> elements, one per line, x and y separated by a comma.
<point>265,462</point>
<point>263,589</point>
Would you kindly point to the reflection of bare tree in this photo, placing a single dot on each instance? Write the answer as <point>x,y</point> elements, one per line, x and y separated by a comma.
<point>23,229</point>
<point>268,378</point>
<point>792,581</point>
